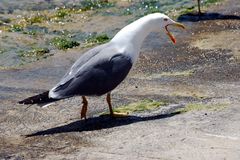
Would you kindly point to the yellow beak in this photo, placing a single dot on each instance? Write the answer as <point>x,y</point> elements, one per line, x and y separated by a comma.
<point>169,33</point>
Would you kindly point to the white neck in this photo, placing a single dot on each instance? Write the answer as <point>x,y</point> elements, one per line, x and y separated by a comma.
<point>130,38</point>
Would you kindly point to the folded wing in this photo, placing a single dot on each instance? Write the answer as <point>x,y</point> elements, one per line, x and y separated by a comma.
<point>97,75</point>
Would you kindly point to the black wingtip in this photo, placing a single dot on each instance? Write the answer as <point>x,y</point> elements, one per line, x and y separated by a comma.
<point>24,102</point>
<point>21,102</point>
<point>37,99</point>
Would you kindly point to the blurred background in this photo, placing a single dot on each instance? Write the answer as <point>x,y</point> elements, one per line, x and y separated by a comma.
<point>34,30</point>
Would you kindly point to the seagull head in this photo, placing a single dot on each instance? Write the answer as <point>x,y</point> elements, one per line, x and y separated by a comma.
<point>165,22</point>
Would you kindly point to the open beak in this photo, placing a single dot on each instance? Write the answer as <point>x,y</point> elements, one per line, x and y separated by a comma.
<point>169,33</point>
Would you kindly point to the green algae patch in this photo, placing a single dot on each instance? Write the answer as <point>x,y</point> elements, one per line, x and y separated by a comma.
<point>95,4</point>
<point>33,33</point>
<point>61,13</point>
<point>141,106</point>
<point>34,54</point>
<point>86,5</point>
<point>143,7</point>
<point>63,43</point>
<point>2,51</point>
<point>16,28</point>
<point>201,106</point>
<point>96,39</point>
<point>38,18</point>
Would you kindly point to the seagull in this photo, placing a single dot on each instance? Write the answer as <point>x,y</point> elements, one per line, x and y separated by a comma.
<point>103,68</point>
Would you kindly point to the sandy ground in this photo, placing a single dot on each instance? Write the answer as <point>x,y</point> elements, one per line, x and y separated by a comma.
<point>209,50</point>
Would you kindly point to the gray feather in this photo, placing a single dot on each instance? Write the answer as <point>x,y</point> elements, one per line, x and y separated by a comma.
<point>97,72</point>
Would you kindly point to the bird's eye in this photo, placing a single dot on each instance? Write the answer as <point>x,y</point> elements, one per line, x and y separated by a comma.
<point>165,19</point>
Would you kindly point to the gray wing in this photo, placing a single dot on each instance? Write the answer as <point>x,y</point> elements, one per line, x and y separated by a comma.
<point>87,56</point>
<point>82,60</point>
<point>97,76</point>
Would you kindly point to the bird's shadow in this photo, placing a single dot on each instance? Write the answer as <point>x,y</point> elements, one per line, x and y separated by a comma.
<point>97,123</point>
<point>195,17</point>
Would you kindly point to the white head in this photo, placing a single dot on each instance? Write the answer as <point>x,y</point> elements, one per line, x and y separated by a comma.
<point>161,22</point>
<point>129,39</point>
<point>139,29</point>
